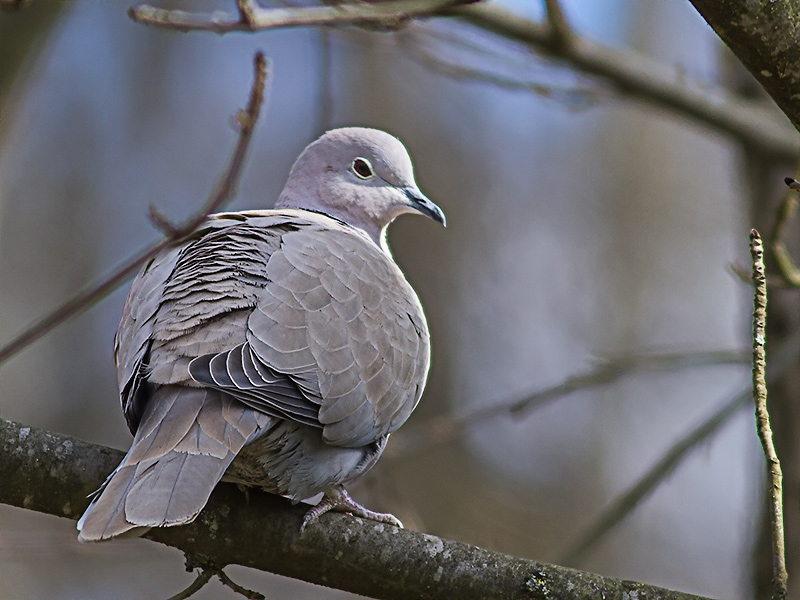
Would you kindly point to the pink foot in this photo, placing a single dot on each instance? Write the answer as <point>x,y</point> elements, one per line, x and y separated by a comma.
<point>337,498</point>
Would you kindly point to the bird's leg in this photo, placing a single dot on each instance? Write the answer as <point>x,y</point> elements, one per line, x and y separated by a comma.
<point>336,498</point>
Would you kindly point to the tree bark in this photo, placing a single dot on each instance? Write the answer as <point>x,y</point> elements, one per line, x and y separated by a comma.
<point>53,474</point>
<point>765,36</point>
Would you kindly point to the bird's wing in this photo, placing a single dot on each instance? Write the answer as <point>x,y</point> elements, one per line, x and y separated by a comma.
<point>340,320</point>
<point>181,291</point>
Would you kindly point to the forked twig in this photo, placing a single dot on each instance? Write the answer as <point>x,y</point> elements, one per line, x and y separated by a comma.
<point>205,575</point>
<point>222,194</point>
<point>788,271</point>
<point>203,578</point>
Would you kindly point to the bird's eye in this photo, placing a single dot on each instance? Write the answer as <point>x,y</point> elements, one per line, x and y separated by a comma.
<point>362,168</point>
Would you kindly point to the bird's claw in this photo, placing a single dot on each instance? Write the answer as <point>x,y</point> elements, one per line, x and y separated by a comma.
<point>338,499</point>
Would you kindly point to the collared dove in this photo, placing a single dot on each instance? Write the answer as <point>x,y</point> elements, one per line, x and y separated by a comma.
<point>276,349</point>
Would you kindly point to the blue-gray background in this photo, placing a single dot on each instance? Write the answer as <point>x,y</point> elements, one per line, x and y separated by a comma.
<point>580,226</point>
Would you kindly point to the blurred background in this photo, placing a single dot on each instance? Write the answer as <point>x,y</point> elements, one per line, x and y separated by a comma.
<point>582,227</point>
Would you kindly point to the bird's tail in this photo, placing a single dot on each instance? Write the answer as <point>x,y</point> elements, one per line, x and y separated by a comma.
<point>185,441</point>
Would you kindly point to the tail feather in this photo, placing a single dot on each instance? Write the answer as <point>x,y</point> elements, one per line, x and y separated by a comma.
<point>105,516</point>
<point>173,490</point>
<point>187,439</point>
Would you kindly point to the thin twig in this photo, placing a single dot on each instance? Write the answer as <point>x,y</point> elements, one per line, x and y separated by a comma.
<point>417,51</point>
<point>559,27</point>
<point>426,43</point>
<point>633,497</point>
<point>247,10</point>
<point>783,359</point>
<point>390,14</point>
<point>222,194</point>
<point>205,575</point>
<point>250,594</point>
<point>774,474</point>
<point>777,239</point>
<point>202,578</point>
<point>440,430</point>
<point>741,273</point>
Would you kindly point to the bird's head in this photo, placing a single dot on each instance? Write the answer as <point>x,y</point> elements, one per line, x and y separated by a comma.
<point>361,176</point>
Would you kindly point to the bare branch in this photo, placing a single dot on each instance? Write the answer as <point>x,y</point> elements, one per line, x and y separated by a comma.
<point>223,193</point>
<point>246,119</point>
<point>774,473</point>
<point>764,36</point>
<point>388,14</point>
<point>640,77</point>
<point>783,359</point>
<point>417,50</point>
<point>53,474</point>
<point>440,430</point>
<point>161,222</point>
<point>631,74</point>
<point>627,502</point>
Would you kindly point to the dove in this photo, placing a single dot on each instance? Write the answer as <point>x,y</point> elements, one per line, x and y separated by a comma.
<point>276,349</point>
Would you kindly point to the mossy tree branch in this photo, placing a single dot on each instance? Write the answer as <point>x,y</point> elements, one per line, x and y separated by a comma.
<point>53,474</point>
<point>765,36</point>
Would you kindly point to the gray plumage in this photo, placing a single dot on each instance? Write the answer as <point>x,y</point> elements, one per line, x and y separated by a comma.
<point>276,349</point>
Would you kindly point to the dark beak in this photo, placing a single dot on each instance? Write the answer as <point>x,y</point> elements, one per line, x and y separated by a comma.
<point>421,203</point>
